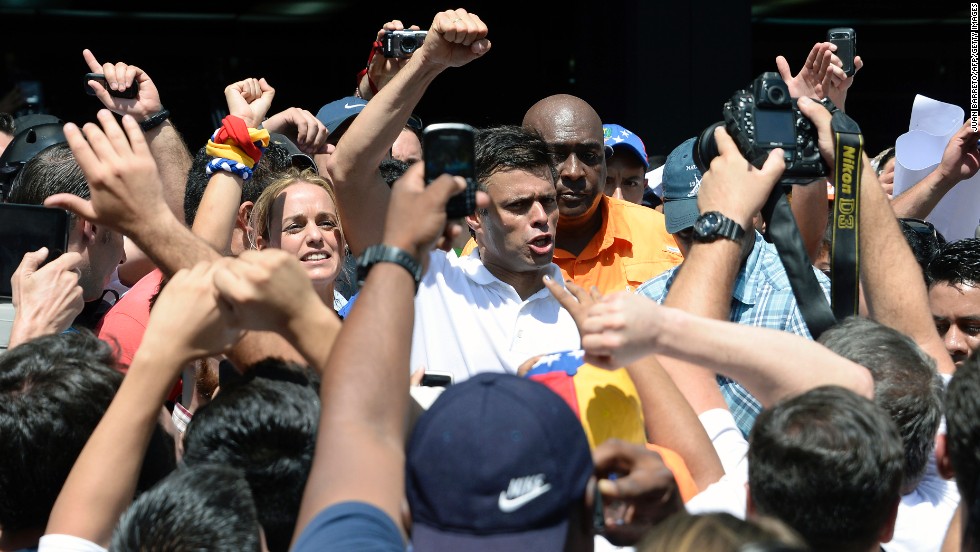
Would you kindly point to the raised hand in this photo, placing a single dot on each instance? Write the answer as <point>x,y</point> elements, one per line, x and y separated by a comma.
<point>120,76</point>
<point>300,126</point>
<point>961,159</point>
<point>126,190</point>
<point>455,39</point>
<point>189,320</point>
<point>249,99</point>
<point>733,186</point>
<point>46,299</point>
<point>266,289</point>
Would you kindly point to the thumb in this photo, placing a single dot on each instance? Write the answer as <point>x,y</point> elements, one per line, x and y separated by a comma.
<point>774,165</point>
<point>783,67</point>
<point>445,187</point>
<point>480,47</point>
<point>73,203</point>
<point>815,111</point>
<point>32,260</point>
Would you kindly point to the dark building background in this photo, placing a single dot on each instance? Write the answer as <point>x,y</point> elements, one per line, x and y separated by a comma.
<point>662,69</point>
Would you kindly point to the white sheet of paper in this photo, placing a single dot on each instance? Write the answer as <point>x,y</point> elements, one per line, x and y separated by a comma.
<point>920,150</point>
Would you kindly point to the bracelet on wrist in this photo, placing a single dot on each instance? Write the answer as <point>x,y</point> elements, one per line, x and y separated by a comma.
<point>155,120</point>
<point>236,148</point>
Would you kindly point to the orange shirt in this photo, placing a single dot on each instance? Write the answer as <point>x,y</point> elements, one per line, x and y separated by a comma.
<point>631,247</point>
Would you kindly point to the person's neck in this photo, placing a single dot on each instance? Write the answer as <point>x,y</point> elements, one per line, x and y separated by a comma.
<point>525,283</point>
<point>19,540</point>
<point>574,234</point>
<point>325,291</point>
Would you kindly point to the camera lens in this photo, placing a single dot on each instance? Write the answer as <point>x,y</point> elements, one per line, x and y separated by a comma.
<point>705,147</point>
<point>409,44</point>
<point>776,95</point>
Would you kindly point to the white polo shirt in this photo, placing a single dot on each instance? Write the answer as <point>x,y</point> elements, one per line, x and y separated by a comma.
<point>468,322</point>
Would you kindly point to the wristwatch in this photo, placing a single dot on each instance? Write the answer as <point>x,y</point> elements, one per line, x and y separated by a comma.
<point>713,225</point>
<point>387,254</point>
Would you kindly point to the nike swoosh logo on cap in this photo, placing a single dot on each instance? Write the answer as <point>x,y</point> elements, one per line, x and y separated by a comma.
<point>349,106</point>
<point>508,505</point>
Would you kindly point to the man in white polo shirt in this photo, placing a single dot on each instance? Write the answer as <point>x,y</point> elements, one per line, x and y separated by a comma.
<point>488,311</point>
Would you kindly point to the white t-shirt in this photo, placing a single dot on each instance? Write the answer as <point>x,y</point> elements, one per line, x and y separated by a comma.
<point>467,321</point>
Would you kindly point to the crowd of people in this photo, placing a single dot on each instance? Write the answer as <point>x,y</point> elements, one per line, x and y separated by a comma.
<point>238,348</point>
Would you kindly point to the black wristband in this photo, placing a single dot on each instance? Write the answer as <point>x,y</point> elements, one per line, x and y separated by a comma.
<point>387,254</point>
<point>155,120</point>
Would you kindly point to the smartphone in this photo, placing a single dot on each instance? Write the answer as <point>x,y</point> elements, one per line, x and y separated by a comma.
<point>128,93</point>
<point>846,40</point>
<point>437,379</point>
<point>448,148</point>
<point>27,228</point>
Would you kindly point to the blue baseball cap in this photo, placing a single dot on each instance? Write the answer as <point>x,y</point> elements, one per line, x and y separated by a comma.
<point>620,139</point>
<point>339,111</point>
<point>682,181</point>
<point>497,463</point>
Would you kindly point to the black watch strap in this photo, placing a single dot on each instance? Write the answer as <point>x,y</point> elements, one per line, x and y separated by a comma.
<point>155,120</point>
<point>381,253</point>
<point>713,225</point>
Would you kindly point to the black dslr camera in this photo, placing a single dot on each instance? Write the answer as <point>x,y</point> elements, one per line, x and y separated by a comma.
<point>762,118</point>
<point>401,44</point>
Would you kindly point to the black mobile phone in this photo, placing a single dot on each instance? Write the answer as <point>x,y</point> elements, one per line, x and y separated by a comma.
<point>437,379</point>
<point>128,93</point>
<point>27,228</point>
<point>846,40</point>
<point>448,148</point>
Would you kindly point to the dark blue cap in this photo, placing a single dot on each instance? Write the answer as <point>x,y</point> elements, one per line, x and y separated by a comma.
<point>497,463</point>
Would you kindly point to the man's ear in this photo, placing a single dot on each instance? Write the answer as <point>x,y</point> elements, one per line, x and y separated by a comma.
<point>89,231</point>
<point>473,221</point>
<point>944,465</point>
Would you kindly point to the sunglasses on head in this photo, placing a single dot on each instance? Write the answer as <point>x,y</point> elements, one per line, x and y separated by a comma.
<point>919,226</point>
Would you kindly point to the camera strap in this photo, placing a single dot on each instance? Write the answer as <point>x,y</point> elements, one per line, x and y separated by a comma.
<point>844,266</point>
<point>782,231</point>
<point>785,235</point>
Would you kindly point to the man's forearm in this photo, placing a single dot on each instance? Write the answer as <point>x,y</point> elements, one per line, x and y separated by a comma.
<point>362,193</point>
<point>919,200</point>
<point>706,279</point>
<point>892,279</point>
<point>173,161</point>
<point>171,245</point>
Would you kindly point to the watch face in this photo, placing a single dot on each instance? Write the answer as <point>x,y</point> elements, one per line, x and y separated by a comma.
<point>707,224</point>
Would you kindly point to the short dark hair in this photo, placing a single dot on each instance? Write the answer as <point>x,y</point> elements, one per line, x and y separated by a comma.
<point>923,238</point>
<point>206,507</point>
<point>509,147</point>
<point>907,385</point>
<point>52,171</point>
<point>957,262</point>
<point>963,442</point>
<point>275,160</point>
<point>53,392</point>
<point>264,424</point>
<point>7,125</point>
<point>828,463</point>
